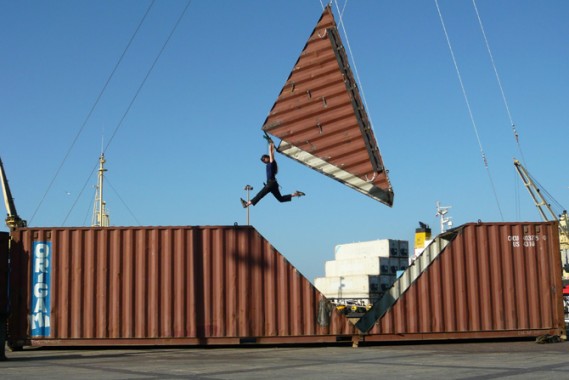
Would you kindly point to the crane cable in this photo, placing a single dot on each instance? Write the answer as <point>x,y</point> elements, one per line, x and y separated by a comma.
<point>352,60</point>
<point>484,158</point>
<point>148,73</point>
<point>90,113</point>
<point>514,131</point>
<point>135,96</point>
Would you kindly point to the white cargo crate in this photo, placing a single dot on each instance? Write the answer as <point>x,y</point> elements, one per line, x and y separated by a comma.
<point>394,265</point>
<point>358,286</point>
<point>373,248</point>
<point>403,263</point>
<point>403,248</point>
<point>372,266</point>
<point>385,282</point>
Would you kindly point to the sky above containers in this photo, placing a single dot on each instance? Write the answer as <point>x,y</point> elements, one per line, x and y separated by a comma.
<point>182,144</point>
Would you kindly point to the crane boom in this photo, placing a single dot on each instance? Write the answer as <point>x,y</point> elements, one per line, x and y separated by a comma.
<point>13,221</point>
<point>535,193</point>
<point>544,209</point>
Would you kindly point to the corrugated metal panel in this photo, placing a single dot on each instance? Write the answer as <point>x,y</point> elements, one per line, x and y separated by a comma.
<point>321,119</point>
<point>228,285</point>
<point>480,280</point>
<point>164,285</point>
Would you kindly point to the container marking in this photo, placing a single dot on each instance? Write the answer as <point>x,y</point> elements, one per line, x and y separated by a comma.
<point>526,240</point>
<point>41,290</point>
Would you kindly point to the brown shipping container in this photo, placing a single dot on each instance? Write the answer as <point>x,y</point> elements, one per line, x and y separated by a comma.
<point>4,273</point>
<point>162,285</point>
<point>4,276</point>
<point>480,280</point>
<point>228,285</point>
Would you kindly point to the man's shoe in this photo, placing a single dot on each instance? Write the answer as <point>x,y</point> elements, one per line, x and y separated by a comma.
<point>243,203</point>
<point>300,193</point>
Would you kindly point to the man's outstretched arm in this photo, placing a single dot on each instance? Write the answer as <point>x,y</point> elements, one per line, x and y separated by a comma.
<point>271,151</point>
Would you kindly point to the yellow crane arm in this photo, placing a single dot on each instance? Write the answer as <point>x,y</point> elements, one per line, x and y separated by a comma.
<point>13,221</point>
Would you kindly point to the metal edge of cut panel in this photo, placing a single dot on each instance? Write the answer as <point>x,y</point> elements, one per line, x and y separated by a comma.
<point>321,119</point>
<point>493,280</point>
<point>363,186</point>
<point>186,285</point>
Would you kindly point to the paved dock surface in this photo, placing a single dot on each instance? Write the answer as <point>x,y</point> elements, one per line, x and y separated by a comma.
<point>471,360</point>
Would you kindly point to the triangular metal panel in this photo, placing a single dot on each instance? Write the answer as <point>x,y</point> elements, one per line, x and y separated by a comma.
<point>321,120</point>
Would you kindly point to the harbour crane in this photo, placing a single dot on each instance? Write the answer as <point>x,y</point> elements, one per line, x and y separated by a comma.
<point>13,221</point>
<point>547,213</point>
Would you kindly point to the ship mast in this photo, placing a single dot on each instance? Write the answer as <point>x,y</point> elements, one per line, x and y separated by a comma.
<point>100,216</point>
<point>446,221</point>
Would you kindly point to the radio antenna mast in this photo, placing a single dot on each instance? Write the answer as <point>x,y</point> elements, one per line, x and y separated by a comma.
<point>100,216</point>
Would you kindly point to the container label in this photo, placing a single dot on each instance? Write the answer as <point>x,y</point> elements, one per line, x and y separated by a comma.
<point>41,290</point>
<point>525,241</point>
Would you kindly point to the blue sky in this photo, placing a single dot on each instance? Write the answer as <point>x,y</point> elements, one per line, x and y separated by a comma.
<point>191,140</point>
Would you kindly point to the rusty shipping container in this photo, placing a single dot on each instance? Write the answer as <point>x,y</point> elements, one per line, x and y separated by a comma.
<point>4,276</point>
<point>228,285</point>
<point>161,286</point>
<point>4,272</point>
<point>479,280</point>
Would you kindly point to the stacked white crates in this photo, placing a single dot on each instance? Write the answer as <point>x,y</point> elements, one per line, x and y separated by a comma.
<point>363,271</point>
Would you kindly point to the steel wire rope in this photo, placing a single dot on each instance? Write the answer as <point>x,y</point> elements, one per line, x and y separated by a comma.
<point>514,131</point>
<point>148,74</point>
<point>506,105</point>
<point>359,83</point>
<point>108,182</point>
<point>122,201</point>
<point>484,158</point>
<point>79,195</point>
<point>517,198</point>
<point>88,117</point>
<point>90,209</point>
<point>135,96</point>
<point>557,207</point>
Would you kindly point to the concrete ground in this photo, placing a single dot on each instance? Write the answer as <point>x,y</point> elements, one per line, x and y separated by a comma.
<point>458,360</point>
